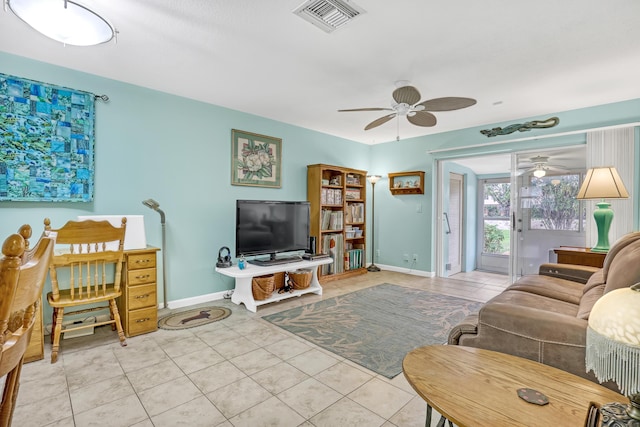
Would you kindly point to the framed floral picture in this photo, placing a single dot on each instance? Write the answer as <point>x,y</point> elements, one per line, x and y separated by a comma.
<point>255,159</point>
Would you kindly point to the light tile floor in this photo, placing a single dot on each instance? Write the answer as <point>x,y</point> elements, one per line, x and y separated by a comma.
<point>241,371</point>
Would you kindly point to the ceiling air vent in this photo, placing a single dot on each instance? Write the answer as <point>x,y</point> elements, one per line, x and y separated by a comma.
<point>328,15</point>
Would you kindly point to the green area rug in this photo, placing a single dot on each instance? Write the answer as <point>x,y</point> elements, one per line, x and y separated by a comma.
<point>376,327</point>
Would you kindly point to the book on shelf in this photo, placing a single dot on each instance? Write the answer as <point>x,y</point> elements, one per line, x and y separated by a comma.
<point>352,194</point>
<point>354,256</point>
<point>354,212</point>
<point>333,244</point>
<point>353,179</point>
<point>332,220</point>
<point>331,196</point>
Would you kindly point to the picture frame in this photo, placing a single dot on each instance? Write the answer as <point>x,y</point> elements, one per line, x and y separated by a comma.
<point>256,160</point>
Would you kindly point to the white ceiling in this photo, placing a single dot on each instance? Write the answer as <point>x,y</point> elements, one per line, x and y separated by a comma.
<point>518,59</point>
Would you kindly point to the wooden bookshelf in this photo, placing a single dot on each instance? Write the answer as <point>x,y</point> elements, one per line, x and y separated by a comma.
<point>338,218</point>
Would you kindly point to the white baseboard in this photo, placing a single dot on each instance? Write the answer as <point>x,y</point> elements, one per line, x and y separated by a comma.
<point>201,299</point>
<point>407,270</point>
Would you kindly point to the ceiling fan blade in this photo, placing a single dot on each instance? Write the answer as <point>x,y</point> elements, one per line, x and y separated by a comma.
<point>406,95</point>
<point>447,104</point>
<point>423,118</point>
<point>366,109</point>
<point>380,121</point>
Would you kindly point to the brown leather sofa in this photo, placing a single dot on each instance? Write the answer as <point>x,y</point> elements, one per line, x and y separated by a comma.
<point>544,317</point>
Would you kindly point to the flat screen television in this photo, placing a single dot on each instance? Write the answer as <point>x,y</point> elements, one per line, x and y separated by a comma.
<point>271,227</point>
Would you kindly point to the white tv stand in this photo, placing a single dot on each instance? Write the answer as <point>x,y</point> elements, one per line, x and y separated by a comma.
<point>243,293</point>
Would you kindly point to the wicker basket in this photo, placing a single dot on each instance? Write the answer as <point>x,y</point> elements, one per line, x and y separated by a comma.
<point>262,287</point>
<point>278,280</point>
<point>300,279</point>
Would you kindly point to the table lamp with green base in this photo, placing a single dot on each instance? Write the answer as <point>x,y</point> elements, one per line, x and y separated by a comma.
<point>602,183</point>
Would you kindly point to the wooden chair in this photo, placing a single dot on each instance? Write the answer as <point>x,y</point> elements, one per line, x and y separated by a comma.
<point>91,264</point>
<point>22,277</point>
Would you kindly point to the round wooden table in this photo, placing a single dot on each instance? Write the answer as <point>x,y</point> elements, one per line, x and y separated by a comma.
<point>473,388</point>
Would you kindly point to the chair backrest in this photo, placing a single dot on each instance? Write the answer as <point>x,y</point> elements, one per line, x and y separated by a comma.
<point>91,251</point>
<point>21,284</point>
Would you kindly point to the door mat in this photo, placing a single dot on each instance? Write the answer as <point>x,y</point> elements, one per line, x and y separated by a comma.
<point>192,318</point>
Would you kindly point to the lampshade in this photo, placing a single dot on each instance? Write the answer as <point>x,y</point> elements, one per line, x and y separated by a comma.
<point>64,21</point>
<point>613,342</point>
<point>373,178</point>
<point>602,183</point>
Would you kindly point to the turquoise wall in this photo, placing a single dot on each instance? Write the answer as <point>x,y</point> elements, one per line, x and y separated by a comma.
<point>400,229</point>
<point>155,145</point>
<point>177,151</point>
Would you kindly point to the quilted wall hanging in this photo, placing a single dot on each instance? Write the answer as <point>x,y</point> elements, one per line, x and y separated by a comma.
<point>46,142</point>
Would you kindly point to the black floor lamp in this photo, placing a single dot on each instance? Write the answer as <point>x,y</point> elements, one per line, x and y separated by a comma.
<point>373,179</point>
<point>150,203</point>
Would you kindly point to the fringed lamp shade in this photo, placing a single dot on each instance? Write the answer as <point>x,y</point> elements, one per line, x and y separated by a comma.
<point>613,342</point>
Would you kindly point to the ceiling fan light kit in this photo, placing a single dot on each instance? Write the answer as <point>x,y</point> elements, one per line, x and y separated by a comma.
<point>64,21</point>
<point>407,105</point>
<point>540,167</point>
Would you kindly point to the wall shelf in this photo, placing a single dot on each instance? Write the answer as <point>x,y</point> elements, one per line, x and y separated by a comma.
<point>406,182</point>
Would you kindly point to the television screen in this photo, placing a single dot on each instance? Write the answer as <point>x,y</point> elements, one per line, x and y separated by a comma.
<point>270,227</point>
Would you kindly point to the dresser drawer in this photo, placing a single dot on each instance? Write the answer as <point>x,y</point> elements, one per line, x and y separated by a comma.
<point>142,321</point>
<point>146,260</point>
<point>142,296</point>
<point>138,277</point>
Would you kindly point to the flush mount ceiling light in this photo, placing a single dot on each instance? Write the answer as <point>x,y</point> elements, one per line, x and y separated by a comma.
<point>64,21</point>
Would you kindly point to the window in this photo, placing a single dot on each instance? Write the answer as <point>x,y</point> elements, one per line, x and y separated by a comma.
<point>495,213</point>
<point>554,205</point>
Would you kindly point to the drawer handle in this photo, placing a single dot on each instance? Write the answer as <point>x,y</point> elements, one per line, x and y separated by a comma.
<point>146,276</point>
<point>141,261</point>
<point>146,319</point>
<point>142,296</point>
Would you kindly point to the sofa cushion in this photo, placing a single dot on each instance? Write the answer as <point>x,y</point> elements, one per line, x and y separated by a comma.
<point>624,270</point>
<point>521,299</point>
<point>618,246</point>
<point>588,300</point>
<point>550,287</point>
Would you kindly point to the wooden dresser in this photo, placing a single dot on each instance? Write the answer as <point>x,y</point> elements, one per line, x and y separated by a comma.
<point>138,304</point>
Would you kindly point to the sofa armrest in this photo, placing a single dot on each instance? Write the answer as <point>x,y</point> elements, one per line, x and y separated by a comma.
<point>468,326</point>
<point>533,323</point>
<point>575,273</point>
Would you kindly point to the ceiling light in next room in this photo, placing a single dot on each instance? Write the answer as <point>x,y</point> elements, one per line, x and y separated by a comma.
<point>64,21</point>
<point>328,15</point>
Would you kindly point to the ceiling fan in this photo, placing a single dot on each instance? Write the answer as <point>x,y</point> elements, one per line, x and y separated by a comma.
<point>406,104</point>
<point>540,166</point>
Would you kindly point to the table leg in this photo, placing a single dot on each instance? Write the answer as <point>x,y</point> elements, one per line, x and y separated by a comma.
<point>441,422</point>
<point>428,421</point>
<point>243,293</point>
